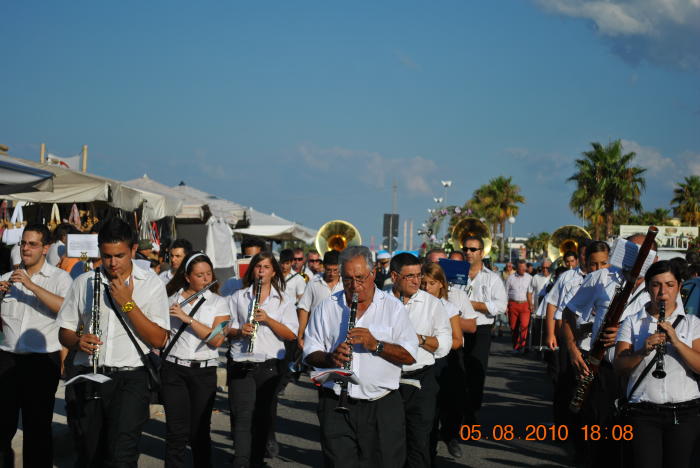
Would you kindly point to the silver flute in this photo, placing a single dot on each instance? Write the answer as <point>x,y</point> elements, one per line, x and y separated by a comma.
<point>96,298</point>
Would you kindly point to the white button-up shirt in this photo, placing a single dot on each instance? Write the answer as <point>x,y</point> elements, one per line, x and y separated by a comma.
<point>537,284</point>
<point>117,349</point>
<point>29,326</point>
<point>277,306</point>
<point>429,317</point>
<point>563,290</point>
<point>189,345</point>
<point>316,291</point>
<point>385,318</point>
<point>681,383</point>
<point>166,276</point>
<point>458,297</point>
<point>517,286</point>
<point>487,287</point>
<point>294,286</point>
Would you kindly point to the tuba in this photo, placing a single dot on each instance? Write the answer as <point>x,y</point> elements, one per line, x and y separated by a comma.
<point>564,239</point>
<point>336,235</point>
<point>468,227</point>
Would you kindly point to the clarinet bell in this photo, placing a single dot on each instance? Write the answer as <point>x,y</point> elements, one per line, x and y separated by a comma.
<point>659,374</point>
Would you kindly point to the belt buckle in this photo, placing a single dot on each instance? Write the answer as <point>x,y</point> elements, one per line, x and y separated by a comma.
<point>195,365</point>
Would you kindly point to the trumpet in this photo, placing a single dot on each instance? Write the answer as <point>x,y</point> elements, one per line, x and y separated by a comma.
<point>343,399</point>
<point>251,314</point>
<point>95,316</point>
<point>659,372</point>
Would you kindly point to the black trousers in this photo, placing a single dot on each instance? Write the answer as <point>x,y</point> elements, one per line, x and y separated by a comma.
<point>476,361</point>
<point>660,443</point>
<point>251,389</point>
<point>28,384</point>
<point>188,398</point>
<point>372,434</point>
<point>107,429</point>
<point>419,408</point>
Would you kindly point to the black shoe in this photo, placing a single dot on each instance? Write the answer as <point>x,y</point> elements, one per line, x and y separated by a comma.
<point>454,449</point>
<point>273,449</point>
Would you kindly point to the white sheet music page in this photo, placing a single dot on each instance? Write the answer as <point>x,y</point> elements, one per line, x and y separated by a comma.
<point>624,254</point>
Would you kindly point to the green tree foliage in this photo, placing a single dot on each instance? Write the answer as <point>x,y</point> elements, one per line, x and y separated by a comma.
<point>686,200</point>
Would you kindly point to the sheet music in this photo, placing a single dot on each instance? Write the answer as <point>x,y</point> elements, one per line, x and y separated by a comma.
<point>318,377</point>
<point>99,378</point>
<point>78,244</point>
<point>624,253</point>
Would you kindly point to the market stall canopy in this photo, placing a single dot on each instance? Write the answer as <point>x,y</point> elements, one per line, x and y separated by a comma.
<point>273,227</point>
<point>18,177</point>
<point>219,208</point>
<point>190,208</point>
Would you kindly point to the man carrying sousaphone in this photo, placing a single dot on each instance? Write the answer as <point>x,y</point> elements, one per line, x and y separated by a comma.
<point>371,432</point>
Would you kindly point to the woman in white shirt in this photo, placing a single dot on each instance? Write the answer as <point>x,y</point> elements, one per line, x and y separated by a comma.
<point>188,376</point>
<point>664,413</point>
<point>253,376</point>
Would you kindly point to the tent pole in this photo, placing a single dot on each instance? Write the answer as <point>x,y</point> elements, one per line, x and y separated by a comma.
<point>85,158</point>
<point>42,153</point>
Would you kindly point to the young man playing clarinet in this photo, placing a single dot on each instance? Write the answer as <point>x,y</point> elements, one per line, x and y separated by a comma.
<point>108,417</point>
<point>29,355</point>
<point>372,432</point>
<point>418,384</point>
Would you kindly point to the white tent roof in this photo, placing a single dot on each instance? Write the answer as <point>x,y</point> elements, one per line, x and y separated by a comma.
<point>18,177</point>
<point>219,207</point>
<point>189,207</point>
<point>273,227</point>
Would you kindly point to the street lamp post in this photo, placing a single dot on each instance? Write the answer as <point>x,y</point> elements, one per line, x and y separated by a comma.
<point>511,220</point>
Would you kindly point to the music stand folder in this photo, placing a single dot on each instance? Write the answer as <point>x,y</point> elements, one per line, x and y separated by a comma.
<point>99,378</point>
<point>239,356</point>
<point>340,375</point>
<point>456,271</point>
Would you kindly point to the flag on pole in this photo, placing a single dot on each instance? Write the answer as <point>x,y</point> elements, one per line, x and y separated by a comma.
<point>72,163</point>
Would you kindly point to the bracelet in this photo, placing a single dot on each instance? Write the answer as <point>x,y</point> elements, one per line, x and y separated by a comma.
<point>191,320</point>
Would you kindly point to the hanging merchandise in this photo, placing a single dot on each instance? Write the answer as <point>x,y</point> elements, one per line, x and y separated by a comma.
<point>90,218</point>
<point>4,220</point>
<point>55,219</point>
<point>221,249</point>
<point>13,234</point>
<point>74,217</point>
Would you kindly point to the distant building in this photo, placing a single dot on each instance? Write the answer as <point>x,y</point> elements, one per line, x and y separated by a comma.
<point>673,240</point>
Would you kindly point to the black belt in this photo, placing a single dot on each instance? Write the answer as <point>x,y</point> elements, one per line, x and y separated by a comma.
<point>110,370</point>
<point>353,401</point>
<point>418,373</point>
<point>645,405</point>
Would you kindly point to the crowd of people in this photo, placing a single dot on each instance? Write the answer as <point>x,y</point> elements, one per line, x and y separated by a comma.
<point>399,352</point>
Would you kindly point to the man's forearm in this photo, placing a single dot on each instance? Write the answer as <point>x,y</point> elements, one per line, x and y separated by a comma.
<point>149,331</point>
<point>68,338</point>
<point>320,359</point>
<point>480,307</point>
<point>52,301</point>
<point>396,354</point>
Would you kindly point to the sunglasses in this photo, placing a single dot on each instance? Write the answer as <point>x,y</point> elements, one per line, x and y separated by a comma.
<point>313,260</point>
<point>472,249</point>
<point>299,259</point>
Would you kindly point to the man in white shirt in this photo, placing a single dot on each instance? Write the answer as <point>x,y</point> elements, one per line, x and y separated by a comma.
<point>29,354</point>
<point>314,265</point>
<point>538,283</point>
<point>294,282</point>
<point>108,417</point>
<point>519,308</point>
<point>418,382</point>
<point>383,340</point>
<point>179,249</point>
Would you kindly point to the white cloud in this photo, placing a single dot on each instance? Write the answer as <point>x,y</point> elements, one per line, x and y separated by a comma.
<point>660,31</point>
<point>649,158</point>
<point>371,168</point>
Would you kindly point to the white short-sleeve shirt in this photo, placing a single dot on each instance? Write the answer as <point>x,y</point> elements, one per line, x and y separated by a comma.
<point>316,291</point>
<point>189,345</point>
<point>28,325</point>
<point>385,318</point>
<point>277,306</point>
<point>458,297</point>
<point>294,286</point>
<point>488,288</point>
<point>117,350</point>
<point>429,317</point>
<point>680,384</point>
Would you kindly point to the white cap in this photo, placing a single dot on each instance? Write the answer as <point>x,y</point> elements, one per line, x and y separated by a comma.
<point>383,255</point>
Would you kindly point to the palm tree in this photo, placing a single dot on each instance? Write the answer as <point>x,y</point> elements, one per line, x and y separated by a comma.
<point>605,181</point>
<point>500,198</point>
<point>686,200</point>
<point>537,244</point>
<point>658,217</point>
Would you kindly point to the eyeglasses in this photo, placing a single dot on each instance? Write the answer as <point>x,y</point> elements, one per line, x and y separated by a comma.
<point>356,279</point>
<point>313,260</point>
<point>413,276</point>
<point>32,244</point>
<point>298,259</point>
<point>472,249</point>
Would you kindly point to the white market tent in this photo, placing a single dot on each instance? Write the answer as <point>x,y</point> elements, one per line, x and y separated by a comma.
<point>273,227</point>
<point>220,208</point>
<point>18,177</point>
<point>190,208</point>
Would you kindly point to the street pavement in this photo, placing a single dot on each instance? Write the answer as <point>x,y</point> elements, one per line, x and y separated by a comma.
<point>517,393</point>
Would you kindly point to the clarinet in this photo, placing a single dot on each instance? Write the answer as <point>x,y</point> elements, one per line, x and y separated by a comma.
<point>96,288</point>
<point>659,372</point>
<point>343,399</point>
<point>251,314</point>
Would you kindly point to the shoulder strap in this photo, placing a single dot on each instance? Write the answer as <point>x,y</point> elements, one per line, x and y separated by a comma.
<point>651,364</point>
<point>181,329</point>
<point>123,322</point>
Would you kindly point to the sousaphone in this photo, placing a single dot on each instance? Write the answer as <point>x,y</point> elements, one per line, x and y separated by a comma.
<point>468,227</point>
<point>336,235</point>
<point>565,239</point>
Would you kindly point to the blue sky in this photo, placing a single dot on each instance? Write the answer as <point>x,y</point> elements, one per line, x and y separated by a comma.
<point>311,109</point>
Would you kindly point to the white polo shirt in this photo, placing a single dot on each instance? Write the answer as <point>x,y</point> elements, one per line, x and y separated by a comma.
<point>294,286</point>
<point>117,350</point>
<point>487,287</point>
<point>277,306</point>
<point>166,276</point>
<point>429,317</point>
<point>29,326</point>
<point>517,286</point>
<point>681,383</point>
<point>537,284</point>
<point>189,345</point>
<point>316,291</point>
<point>385,318</point>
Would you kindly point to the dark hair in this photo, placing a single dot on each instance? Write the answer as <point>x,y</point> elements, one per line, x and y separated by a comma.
<point>286,255</point>
<point>559,271</point>
<point>476,238</point>
<point>116,230</point>
<point>434,250</point>
<point>61,230</point>
<point>95,229</point>
<point>401,260</point>
<point>521,261</point>
<point>41,229</point>
<point>311,252</point>
<point>596,246</point>
<point>179,281</point>
<point>253,242</point>
<point>660,267</point>
<point>583,246</point>
<point>570,253</point>
<point>332,257</point>
<point>460,253</point>
<point>277,280</point>
<point>183,244</point>
<point>434,271</point>
<point>682,266</point>
<point>298,250</point>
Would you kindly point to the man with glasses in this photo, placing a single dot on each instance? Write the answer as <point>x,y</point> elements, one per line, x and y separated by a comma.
<point>298,263</point>
<point>419,386</point>
<point>372,433</point>
<point>314,266</point>
<point>29,354</point>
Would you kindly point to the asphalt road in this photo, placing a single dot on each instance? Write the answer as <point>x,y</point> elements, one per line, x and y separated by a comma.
<point>517,393</point>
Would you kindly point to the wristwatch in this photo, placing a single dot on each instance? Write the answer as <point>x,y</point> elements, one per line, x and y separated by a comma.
<point>423,339</point>
<point>128,307</point>
<point>379,349</point>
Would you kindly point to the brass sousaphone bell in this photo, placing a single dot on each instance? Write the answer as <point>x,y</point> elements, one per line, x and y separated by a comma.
<point>336,235</point>
<point>565,239</point>
<point>471,227</point>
